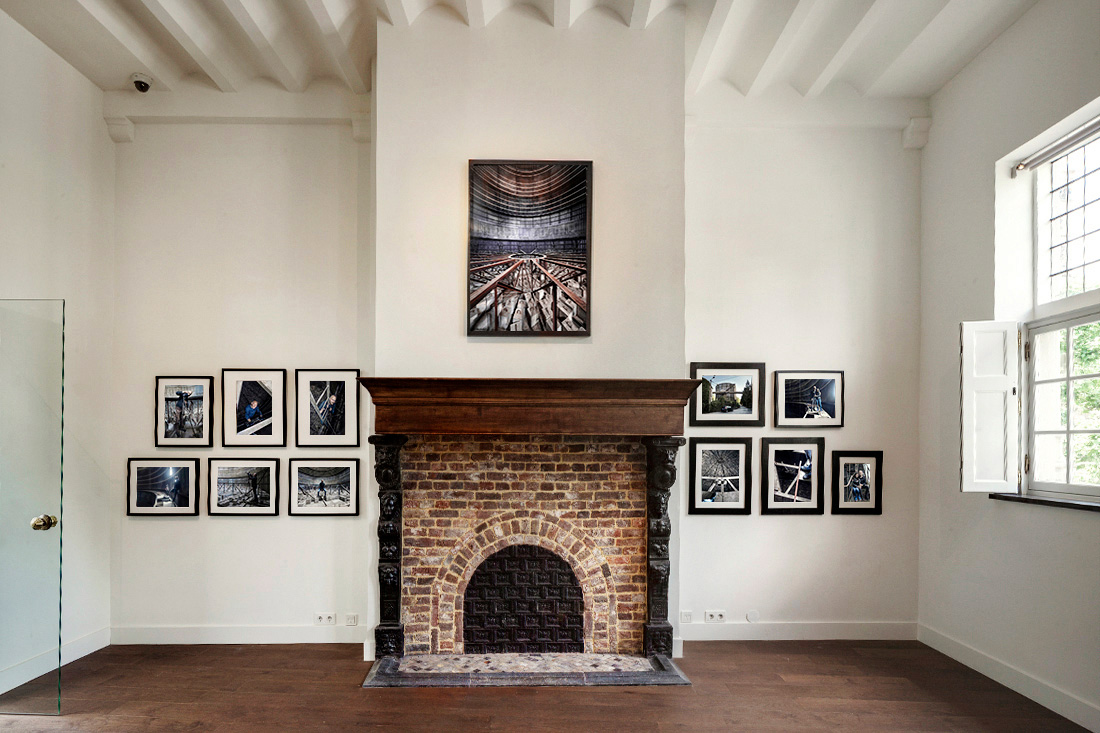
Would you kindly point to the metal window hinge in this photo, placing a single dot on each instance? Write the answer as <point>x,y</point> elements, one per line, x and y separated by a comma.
<point>1027,351</point>
<point>1027,463</point>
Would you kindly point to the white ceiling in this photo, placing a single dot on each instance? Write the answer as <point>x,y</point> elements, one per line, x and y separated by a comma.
<point>883,49</point>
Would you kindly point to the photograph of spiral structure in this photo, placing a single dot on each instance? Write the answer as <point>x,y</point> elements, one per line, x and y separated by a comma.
<point>529,250</point>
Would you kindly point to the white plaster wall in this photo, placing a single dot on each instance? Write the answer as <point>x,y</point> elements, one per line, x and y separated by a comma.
<point>802,253</point>
<point>237,247</point>
<point>56,218</point>
<point>522,89</point>
<point>1011,589</point>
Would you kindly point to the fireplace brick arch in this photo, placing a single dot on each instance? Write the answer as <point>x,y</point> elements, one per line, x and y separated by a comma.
<point>526,527</point>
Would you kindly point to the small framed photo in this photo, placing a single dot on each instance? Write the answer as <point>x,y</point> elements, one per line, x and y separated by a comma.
<point>813,399</point>
<point>327,407</point>
<point>790,479</point>
<point>254,407</point>
<point>732,394</point>
<point>185,412</point>
<point>857,482</point>
<point>324,487</point>
<point>721,476</point>
<point>243,486</point>
<point>162,486</point>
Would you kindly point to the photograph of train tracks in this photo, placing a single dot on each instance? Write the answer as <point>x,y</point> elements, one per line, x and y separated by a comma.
<point>791,476</point>
<point>529,248</point>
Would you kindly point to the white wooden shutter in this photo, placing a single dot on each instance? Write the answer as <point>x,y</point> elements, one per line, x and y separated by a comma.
<point>990,406</point>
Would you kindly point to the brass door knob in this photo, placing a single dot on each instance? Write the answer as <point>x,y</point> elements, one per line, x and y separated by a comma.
<point>44,522</point>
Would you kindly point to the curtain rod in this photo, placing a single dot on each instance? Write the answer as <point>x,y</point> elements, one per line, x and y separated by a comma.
<point>1059,146</point>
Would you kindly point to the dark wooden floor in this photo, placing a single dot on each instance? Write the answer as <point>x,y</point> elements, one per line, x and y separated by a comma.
<point>738,686</point>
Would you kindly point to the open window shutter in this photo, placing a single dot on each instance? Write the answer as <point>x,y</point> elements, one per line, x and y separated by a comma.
<point>990,406</point>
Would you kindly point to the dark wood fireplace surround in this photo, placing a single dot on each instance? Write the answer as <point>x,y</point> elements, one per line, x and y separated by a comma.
<point>652,409</point>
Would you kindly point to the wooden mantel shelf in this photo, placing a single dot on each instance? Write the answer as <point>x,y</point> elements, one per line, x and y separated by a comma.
<point>437,406</point>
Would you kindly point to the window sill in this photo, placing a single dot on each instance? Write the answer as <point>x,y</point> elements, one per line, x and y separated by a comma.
<point>1088,506</point>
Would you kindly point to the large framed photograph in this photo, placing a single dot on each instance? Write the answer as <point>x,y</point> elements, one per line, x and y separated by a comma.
<point>791,476</point>
<point>811,399</point>
<point>529,248</point>
<point>324,487</point>
<point>254,407</point>
<point>248,486</point>
<point>327,407</point>
<point>721,476</point>
<point>732,394</point>
<point>162,486</point>
<point>184,412</point>
<point>857,482</point>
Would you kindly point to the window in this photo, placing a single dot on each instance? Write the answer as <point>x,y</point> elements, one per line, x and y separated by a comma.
<point>1068,223</point>
<point>1063,455</point>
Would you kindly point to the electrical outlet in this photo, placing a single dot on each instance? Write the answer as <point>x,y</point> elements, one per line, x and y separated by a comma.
<point>685,617</point>
<point>351,619</point>
<point>715,617</point>
<point>324,618</point>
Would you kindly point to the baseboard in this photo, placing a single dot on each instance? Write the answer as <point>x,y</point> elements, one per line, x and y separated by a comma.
<point>677,647</point>
<point>1064,703</point>
<point>238,634</point>
<point>799,630</point>
<point>40,664</point>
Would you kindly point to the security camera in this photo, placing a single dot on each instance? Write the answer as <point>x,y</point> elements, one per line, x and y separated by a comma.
<point>141,82</point>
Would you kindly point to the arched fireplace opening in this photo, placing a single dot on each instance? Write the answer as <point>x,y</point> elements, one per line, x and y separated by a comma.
<point>523,599</point>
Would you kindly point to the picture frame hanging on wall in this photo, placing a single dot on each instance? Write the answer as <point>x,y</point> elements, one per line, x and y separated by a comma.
<point>809,399</point>
<point>857,482</point>
<point>324,487</point>
<point>791,476</point>
<point>242,486</point>
<point>721,476</point>
<point>326,408</point>
<point>529,253</point>
<point>254,407</point>
<point>162,486</point>
<point>184,414</point>
<point>733,394</point>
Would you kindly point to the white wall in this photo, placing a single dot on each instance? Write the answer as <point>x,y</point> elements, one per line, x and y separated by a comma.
<point>1011,589</point>
<point>56,209</point>
<point>802,252</point>
<point>237,247</point>
<point>522,89</point>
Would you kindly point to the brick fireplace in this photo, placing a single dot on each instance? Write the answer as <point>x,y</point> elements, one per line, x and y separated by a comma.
<point>528,490</point>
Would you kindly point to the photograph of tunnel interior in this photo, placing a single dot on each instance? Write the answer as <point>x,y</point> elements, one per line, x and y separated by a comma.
<point>244,486</point>
<point>324,486</point>
<point>529,249</point>
<point>810,398</point>
<point>163,486</point>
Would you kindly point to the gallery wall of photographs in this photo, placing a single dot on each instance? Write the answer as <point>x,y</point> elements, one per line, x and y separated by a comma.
<point>254,410</point>
<point>790,470</point>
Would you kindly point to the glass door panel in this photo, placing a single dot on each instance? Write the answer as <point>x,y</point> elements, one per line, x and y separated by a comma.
<point>31,371</point>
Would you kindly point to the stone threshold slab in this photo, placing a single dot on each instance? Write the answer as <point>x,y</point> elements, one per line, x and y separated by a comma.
<point>558,670</point>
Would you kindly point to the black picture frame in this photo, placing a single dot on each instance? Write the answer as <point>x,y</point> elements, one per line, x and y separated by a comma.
<point>700,369</point>
<point>292,487</point>
<point>697,506</point>
<point>161,411</point>
<point>471,303</point>
<point>211,485</point>
<point>133,510</point>
<point>818,467</point>
<point>352,412</point>
<point>841,505</point>
<point>780,420</point>
<point>230,437</point>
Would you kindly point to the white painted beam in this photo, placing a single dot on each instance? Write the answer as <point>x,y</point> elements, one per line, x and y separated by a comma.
<point>395,12</point>
<point>258,21</point>
<point>563,13</point>
<point>704,56</point>
<point>906,22</point>
<point>475,13</point>
<point>639,13</point>
<point>807,17</point>
<point>121,129</point>
<point>121,26</point>
<point>197,33</point>
<point>337,46</point>
<point>915,134</point>
<point>840,59</point>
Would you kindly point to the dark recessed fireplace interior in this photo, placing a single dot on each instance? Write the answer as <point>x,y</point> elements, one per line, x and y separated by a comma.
<point>523,599</point>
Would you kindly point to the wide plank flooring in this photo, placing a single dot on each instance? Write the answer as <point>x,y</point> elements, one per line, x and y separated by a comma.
<point>738,686</point>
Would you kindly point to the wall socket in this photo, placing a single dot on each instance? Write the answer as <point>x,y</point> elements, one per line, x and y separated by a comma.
<point>715,617</point>
<point>324,618</point>
<point>351,619</point>
<point>685,617</point>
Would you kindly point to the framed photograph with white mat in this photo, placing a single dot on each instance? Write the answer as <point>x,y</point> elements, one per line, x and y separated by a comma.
<point>254,407</point>
<point>327,408</point>
<point>791,476</point>
<point>721,476</point>
<point>857,482</point>
<point>184,412</point>
<point>243,486</point>
<point>732,394</point>
<point>809,399</point>
<point>324,487</point>
<point>162,486</point>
